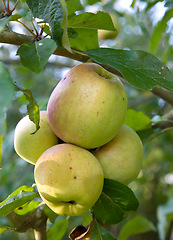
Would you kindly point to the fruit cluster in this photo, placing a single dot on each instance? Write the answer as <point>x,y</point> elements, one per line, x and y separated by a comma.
<point>81,140</point>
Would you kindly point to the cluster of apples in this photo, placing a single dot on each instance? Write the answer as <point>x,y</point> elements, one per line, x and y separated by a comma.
<point>81,140</point>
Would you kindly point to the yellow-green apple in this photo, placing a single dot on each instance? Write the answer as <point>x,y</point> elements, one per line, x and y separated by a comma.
<point>69,179</point>
<point>121,158</point>
<point>88,106</point>
<point>30,146</point>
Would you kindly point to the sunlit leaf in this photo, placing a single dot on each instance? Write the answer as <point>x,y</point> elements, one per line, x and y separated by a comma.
<point>137,120</point>
<point>139,68</point>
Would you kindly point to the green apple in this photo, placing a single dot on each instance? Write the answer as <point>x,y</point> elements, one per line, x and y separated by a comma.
<point>121,158</point>
<point>30,146</point>
<point>88,106</point>
<point>69,179</point>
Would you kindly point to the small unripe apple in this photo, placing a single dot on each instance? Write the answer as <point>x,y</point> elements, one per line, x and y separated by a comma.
<point>88,106</point>
<point>30,146</point>
<point>69,179</point>
<point>121,158</point>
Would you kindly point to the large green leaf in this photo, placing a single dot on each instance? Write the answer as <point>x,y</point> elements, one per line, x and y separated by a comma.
<point>159,29</point>
<point>57,231</point>
<point>87,20</point>
<point>53,12</point>
<point>136,225</point>
<point>17,199</point>
<point>35,55</point>
<point>137,120</point>
<point>73,6</point>
<point>139,68</point>
<point>115,199</point>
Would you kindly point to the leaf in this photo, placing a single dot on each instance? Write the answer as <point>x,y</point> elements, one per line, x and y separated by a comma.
<point>4,224</point>
<point>6,88</point>
<point>1,140</point>
<point>53,12</point>
<point>50,214</point>
<point>136,225</point>
<point>137,120</point>
<point>169,3</point>
<point>58,230</point>
<point>159,29</point>
<point>115,199</point>
<point>35,55</point>
<point>86,39</point>
<point>32,107</point>
<point>139,68</point>
<point>3,23</point>
<point>17,191</point>
<point>100,233</point>
<point>73,6</point>
<point>87,20</point>
<point>17,201</point>
<point>27,207</point>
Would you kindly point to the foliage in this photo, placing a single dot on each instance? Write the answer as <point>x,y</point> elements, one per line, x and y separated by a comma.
<point>141,55</point>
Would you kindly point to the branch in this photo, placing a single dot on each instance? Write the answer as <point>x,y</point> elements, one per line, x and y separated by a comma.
<point>35,219</point>
<point>10,37</point>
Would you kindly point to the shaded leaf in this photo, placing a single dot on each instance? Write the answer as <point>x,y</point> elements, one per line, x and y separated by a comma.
<point>32,107</point>
<point>160,29</point>
<point>58,230</point>
<point>115,199</point>
<point>50,214</point>
<point>7,90</point>
<point>87,20</point>
<point>136,225</point>
<point>139,68</point>
<point>17,201</point>
<point>4,224</point>
<point>3,23</point>
<point>137,120</point>
<point>53,12</point>
<point>169,3</point>
<point>100,233</point>
<point>35,55</point>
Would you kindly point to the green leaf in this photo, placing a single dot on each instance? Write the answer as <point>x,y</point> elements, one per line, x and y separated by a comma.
<point>100,233</point>
<point>58,230</point>
<point>50,214</point>
<point>17,191</point>
<point>35,55</point>
<point>87,20</point>
<point>3,23</point>
<point>27,207</point>
<point>32,107</point>
<point>86,39</point>
<point>53,12</point>
<point>160,29</point>
<point>139,68</point>
<point>137,120</point>
<point>136,225</point>
<point>115,199</point>
<point>169,3</point>
<point>17,201</point>
<point>7,90</point>
<point>1,141</point>
<point>4,224</point>
<point>73,6</point>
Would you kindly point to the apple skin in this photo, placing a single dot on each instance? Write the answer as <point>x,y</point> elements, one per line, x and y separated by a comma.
<point>30,146</point>
<point>121,158</point>
<point>69,179</point>
<point>88,106</point>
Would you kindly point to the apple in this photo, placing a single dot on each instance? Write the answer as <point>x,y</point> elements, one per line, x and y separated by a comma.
<point>121,158</point>
<point>30,146</point>
<point>69,179</point>
<point>88,106</point>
